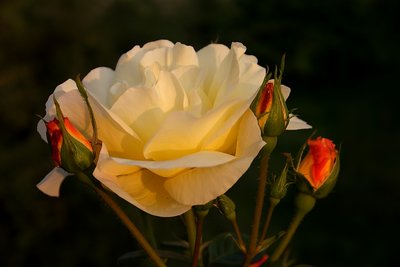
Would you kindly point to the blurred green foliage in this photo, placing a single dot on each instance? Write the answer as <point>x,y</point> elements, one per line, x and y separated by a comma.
<point>342,66</point>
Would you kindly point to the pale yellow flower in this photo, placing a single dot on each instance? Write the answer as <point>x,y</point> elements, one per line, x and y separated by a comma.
<point>175,124</point>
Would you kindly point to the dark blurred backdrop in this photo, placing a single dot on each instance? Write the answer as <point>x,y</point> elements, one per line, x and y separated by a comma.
<point>342,65</point>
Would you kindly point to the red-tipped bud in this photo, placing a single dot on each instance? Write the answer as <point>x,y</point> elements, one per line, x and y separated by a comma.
<point>70,150</point>
<point>320,167</point>
<point>271,110</point>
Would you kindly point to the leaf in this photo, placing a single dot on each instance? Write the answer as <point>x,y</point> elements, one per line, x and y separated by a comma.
<point>266,243</point>
<point>223,250</point>
<point>137,255</point>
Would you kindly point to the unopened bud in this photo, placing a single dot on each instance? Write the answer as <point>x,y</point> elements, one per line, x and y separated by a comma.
<point>227,207</point>
<point>70,150</point>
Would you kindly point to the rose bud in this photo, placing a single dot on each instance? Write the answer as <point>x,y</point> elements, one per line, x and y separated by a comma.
<point>70,150</point>
<point>271,110</point>
<point>319,169</point>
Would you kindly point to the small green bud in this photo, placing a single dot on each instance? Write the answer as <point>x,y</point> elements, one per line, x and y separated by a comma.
<point>280,185</point>
<point>202,210</point>
<point>227,207</point>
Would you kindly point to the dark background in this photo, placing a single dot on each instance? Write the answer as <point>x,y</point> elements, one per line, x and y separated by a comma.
<point>342,66</point>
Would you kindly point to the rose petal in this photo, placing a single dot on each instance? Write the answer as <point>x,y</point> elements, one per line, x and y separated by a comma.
<point>170,168</point>
<point>297,124</point>
<point>210,58</point>
<point>214,181</point>
<point>142,188</point>
<point>167,143</point>
<point>98,82</point>
<point>285,91</point>
<point>51,184</point>
<point>128,68</point>
<point>119,137</point>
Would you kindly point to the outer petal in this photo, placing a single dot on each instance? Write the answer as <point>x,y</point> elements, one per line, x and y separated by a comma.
<point>297,124</point>
<point>51,184</point>
<point>141,188</point>
<point>200,185</point>
<point>285,91</point>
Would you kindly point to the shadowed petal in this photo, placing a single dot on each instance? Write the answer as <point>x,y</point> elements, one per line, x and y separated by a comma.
<point>51,184</point>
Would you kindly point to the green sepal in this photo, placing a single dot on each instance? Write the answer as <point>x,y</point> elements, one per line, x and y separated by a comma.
<point>279,185</point>
<point>95,142</point>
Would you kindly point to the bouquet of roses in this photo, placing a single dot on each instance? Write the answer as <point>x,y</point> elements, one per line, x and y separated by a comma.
<point>171,130</point>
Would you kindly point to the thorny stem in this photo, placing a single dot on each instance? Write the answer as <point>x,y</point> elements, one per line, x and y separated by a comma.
<point>271,208</point>
<point>199,231</point>
<point>262,182</point>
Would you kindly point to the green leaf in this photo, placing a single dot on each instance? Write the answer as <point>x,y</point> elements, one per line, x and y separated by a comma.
<point>137,255</point>
<point>223,250</point>
<point>266,243</point>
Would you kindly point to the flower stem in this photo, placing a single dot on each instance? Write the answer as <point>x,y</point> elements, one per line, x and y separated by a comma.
<point>288,236</point>
<point>199,231</point>
<point>127,221</point>
<point>190,229</point>
<point>304,204</point>
<point>262,182</point>
<point>239,236</point>
<point>148,228</point>
<point>272,204</point>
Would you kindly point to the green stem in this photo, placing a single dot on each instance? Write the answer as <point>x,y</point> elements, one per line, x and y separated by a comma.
<point>199,231</point>
<point>304,204</point>
<point>288,236</point>
<point>190,229</point>
<point>262,182</point>
<point>239,236</point>
<point>272,204</point>
<point>148,227</point>
<point>127,221</point>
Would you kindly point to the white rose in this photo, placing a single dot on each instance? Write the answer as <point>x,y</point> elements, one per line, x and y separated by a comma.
<point>175,123</point>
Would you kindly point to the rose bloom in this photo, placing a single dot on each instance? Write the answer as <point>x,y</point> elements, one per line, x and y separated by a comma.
<point>175,124</point>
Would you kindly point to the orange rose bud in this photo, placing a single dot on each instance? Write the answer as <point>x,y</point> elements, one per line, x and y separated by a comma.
<point>320,167</point>
<point>70,150</point>
<point>271,110</point>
